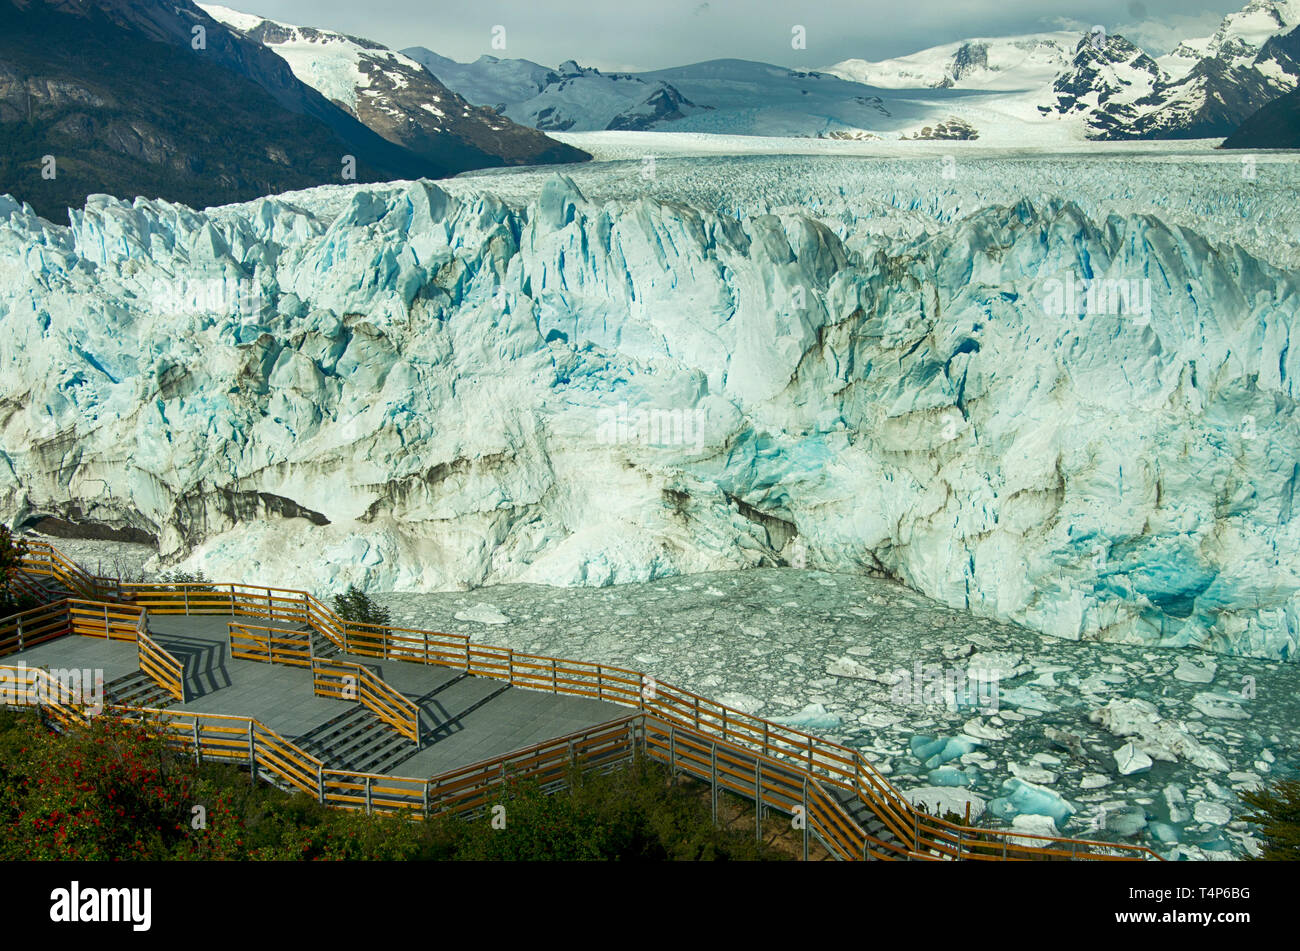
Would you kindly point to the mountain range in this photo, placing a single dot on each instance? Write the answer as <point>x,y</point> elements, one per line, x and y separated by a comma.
<point>1041,88</point>
<point>206,105</point>
<point>158,99</point>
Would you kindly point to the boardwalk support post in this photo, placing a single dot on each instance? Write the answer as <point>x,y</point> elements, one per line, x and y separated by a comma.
<point>758,800</point>
<point>198,749</point>
<point>369,807</point>
<point>713,765</point>
<point>320,783</point>
<point>806,830</point>
<point>252,755</point>
<point>672,755</point>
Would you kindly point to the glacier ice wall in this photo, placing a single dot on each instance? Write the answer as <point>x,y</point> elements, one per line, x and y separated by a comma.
<point>434,391</point>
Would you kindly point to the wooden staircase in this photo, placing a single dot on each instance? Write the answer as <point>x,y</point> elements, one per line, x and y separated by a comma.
<point>357,741</point>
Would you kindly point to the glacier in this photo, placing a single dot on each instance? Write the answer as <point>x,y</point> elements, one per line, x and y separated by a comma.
<point>424,386</point>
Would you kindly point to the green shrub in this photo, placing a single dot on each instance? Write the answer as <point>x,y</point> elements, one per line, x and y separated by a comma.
<point>12,551</point>
<point>1276,811</point>
<point>357,607</point>
<point>115,791</point>
<point>176,580</point>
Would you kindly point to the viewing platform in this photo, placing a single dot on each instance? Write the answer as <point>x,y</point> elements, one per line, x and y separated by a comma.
<point>421,723</point>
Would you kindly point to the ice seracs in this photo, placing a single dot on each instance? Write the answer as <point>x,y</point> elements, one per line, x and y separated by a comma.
<point>408,393</point>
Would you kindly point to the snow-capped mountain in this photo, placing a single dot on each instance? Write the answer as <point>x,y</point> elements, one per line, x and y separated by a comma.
<point>1204,88</point>
<point>1084,425</point>
<point>396,97</point>
<point>1111,84</point>
<point>718,96</point>
<point>1037,88</point>
<point>567,98</point>
<point>1006,63</point>
<point>1238,39</point>
<point>132,97</point>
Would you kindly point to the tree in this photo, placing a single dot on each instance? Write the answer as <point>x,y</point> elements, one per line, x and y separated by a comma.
<point>1277,813</point>
<point>177,580</point>
<point>355,606</point>
<point>12,552</point>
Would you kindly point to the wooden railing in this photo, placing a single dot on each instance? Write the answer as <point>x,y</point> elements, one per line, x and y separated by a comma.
<point>770,783</point>
<point>160,665</point>
<point>471,788</point>
<point>33,686</point>
<point>34,626</point>
<point>21,583</point>
<point>45,560</point>
<point>827,764</point>
<point>344,680</point>
<point>205,598</point>
<point>108,619</point>
<point>273,645</point>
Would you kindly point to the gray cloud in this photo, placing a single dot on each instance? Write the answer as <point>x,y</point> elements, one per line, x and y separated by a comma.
<point>675,32</point>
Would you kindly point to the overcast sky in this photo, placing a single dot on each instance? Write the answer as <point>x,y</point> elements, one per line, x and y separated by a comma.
<point>635,34</point>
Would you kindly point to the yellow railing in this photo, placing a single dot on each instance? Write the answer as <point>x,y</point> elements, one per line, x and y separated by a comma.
<point>45,560</point>
<point>828,764</point>
<point>32,627</point>
<point>274,645</point>
<point>34,686</point>
<point>160,666</point>
<point>112,620</point>
<point>344,680</point>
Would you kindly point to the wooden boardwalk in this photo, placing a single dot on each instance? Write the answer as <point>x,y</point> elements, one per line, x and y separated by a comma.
<point>419,722</point>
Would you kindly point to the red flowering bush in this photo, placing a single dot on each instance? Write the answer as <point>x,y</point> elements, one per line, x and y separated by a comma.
<point>115,791</point>
<point>110,791</point>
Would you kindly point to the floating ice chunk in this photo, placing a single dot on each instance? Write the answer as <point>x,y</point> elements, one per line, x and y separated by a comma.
<point>1221,706</point>
<point>1094,781</point>
<point>1245,781</point>
<point>1129,760</point>
<point>848,667</point>
<point>482,614</point>
<point>950,776</point>
<point>1126,821</point>
<point>1033,774</point>
<point>1024,698</point>
<point>742,702</point>
<point>1156,737</point>
<point>977,728</point>
<point>1064,740</point>
<point>939,800</point>
<point>935,752</point>
<point>1177,802</point>
<point>996,665</point>
<point>1164,832</point>
<point>1022,798</point>
<point>812,717</point>
<point>1190,672</point>
<point>879,721</point>
<point>1032,824</point>
<point>1214,813</point>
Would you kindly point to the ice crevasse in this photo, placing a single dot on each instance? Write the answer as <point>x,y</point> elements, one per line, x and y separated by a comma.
<point>433,392</point>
